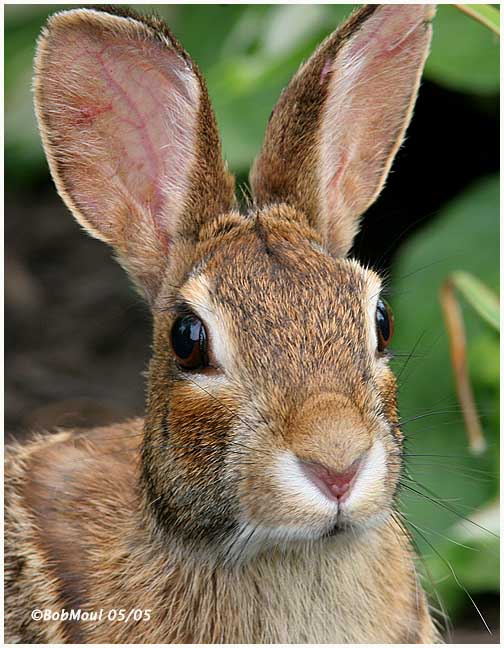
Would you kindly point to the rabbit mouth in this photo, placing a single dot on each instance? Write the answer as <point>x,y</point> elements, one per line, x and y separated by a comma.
<point>298,501</point>
<point>344,526</point>
<point>338,529</point>
<point>252,540</point>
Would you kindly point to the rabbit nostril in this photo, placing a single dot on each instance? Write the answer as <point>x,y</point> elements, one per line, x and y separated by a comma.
<point>335,485</point>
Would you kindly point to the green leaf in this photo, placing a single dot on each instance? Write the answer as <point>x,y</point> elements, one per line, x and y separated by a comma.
<point>463,237</point>
<point>485,14</point>
<point>483,300</point>
<point>484,361</point>
<point>464,55</point>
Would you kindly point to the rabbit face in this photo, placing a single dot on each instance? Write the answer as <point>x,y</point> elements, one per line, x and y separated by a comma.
<point>283,423</point>
<point>295,380</point>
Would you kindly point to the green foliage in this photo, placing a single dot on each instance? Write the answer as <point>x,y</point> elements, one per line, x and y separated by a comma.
<point>438,444</point>
<point>465,54</point>
<point>485,14</point>
<point>483,300</point>
<point>472,552</point>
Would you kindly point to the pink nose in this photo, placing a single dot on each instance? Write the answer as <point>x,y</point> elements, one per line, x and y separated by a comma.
<point>335,485</point>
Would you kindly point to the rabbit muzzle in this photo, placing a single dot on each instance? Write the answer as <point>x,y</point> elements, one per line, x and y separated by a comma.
<point>330,472</point>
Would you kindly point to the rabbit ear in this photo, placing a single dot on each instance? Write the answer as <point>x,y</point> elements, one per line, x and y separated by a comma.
<point>334,133</point>
<point>130,135</point>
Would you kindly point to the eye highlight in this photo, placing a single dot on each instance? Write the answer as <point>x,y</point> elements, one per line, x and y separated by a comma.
<point>189,342</point>
<point>384,324</point>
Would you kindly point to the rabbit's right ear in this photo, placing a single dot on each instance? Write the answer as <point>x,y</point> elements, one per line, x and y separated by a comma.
<point>129,134</point>
<point>334,133</point>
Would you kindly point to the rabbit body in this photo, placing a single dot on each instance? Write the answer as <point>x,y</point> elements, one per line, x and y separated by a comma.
<point>256,501</point>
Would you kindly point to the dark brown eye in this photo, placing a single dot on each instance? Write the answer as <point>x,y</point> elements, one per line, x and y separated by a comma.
<point>189,342</point>
<point>384,324</point>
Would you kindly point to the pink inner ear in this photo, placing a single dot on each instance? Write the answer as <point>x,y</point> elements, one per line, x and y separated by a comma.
<point>385,31</point>
<point>126,112</point>
<point>374,82</point>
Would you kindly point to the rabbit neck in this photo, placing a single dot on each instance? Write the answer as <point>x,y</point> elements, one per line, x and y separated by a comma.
<point>332,591</point>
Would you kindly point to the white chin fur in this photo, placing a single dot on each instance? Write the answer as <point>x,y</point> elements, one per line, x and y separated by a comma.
<point>251,539</point>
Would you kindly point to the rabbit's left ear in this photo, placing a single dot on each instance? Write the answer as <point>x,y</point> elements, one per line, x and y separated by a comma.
<point>334,133</point>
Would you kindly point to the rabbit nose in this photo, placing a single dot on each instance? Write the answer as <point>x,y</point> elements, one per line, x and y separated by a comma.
<point>334,485</point>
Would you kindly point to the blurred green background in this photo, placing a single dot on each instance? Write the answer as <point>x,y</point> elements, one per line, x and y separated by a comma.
<point>69,313</point>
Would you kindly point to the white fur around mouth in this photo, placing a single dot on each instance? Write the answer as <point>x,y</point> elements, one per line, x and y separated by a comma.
<point>289,474</point>
<point>296,485</point>
<point>370,478</point>
<point>251,539</point>
<point>317,513</point>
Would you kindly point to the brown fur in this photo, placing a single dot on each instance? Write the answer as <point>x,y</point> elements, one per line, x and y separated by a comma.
<point>190,513</point>
<point>283,596</point>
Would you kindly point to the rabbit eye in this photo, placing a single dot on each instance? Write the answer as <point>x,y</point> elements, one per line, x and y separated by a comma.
<point>189,342</point>
<point>384,324</point>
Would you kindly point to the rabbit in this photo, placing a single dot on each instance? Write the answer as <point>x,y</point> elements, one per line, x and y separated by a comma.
<point>256,502</point>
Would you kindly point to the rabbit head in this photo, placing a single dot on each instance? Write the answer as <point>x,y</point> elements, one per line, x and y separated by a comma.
<point>271,413</point>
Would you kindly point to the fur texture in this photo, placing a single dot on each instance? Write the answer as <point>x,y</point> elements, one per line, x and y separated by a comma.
<point>202,513</point>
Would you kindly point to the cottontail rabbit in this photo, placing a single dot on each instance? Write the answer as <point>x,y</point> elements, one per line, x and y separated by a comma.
<point>255,502</point>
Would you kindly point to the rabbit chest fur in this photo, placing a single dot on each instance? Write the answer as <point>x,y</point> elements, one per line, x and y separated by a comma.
<point>256,501</point>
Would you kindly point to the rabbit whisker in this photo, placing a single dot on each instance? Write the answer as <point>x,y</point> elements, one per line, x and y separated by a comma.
<point>448,508</point>
<point>402,523</point>
<point>455,577</point>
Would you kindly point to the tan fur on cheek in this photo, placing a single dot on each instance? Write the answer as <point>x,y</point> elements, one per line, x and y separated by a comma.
<point>388,388</point>
<point>195,421</point>
<point>393,440</point>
